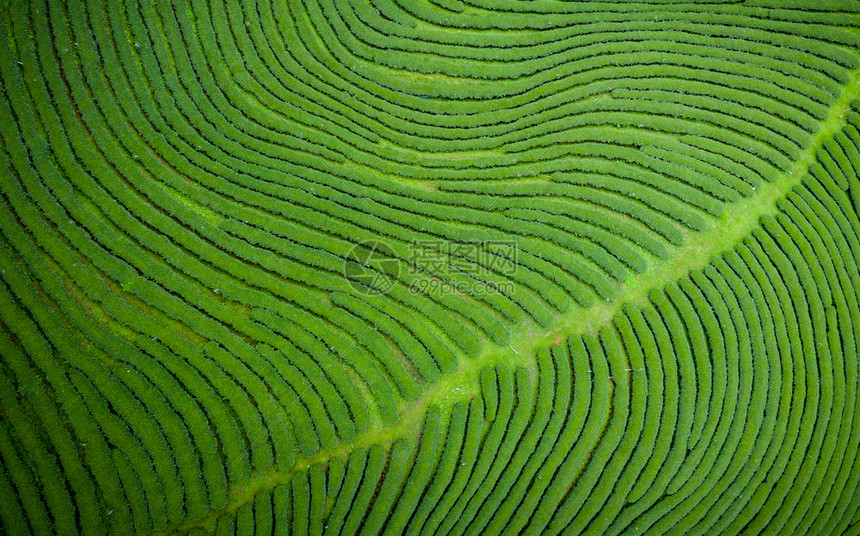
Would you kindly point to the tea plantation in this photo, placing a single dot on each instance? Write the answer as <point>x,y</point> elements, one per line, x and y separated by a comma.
<point>429,267</point>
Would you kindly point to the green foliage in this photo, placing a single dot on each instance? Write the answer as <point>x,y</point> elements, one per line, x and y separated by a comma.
<point>671,347</point>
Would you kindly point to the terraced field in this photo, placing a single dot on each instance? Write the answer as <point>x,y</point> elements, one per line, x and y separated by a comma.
<point>429,267</point>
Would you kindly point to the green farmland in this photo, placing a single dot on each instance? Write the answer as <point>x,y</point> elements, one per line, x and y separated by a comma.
<point>429,267</point>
